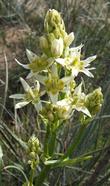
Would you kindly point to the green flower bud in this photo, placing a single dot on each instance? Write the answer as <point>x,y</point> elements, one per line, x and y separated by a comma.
<point>94,101</point>
<point>43,43</point>
<point>58,32</point>
<point>57,47</point>
<point>34,163</point>
<point>53,20</point>
<point>62,113</point>
<point>33,145</point>
<point>50,116</point>
<point>32,155</point>
<point>51,37</point>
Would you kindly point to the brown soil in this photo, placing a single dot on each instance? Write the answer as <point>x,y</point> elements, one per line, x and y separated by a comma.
<point>12,43</point>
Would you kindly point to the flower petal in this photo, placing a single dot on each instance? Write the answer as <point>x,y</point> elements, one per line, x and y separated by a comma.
<point>38,106</point>
<point>76,49</point>
<point>69,39</point>
<point>21,104</point>
<point>87,72</point>
<point>64,102</point>
<point>84,110</point>
<point>89,59</point>
<point>78,89</point>
<point>26,87</point>
<point>38,85</point>
<point>30,55</point>
<point>30,75</point>
<point>23,65</point>
<point>54,98</point>
<point>41,78</point>
<point>17,96</point>
<point>54,70</point>
<point>67,79</point>
<point>92,68</point>
<point>75,72</point>
<point>61,61</point>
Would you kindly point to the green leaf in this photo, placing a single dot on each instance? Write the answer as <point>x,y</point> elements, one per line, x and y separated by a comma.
<point>19,168</point>
<point>51,162</point>
<point>67,162</point>
<point>1,152</point>
<point>14,136</point>
<point>1,156</point>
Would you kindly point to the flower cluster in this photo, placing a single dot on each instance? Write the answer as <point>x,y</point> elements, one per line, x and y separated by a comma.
<point>55,70</point>
<point>33,151</point>
<point>52,88</point>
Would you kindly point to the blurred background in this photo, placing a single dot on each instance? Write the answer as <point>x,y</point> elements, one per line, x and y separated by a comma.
<point>21,24</point>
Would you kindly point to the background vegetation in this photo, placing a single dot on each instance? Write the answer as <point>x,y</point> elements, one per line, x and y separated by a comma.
<point>90,21</point>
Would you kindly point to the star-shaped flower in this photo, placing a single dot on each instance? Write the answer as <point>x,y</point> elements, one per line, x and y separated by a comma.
<point>53,83</point>
<point>37,64</point>
<point>75,64</point>
<point>31,95</point>
<point>78,101</point>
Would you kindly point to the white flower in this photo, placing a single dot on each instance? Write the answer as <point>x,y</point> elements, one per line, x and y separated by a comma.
<point>37,64</point>
<point>75,64</point>
<point>65,108</point>
<point>54,84</point>
<point>69,104</point>
<point>78,102</point>
<point>30,96</point>
<point>31,57</point>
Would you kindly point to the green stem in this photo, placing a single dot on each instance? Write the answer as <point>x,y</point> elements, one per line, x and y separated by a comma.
<point>31,177</point>
<point>49,147</point>
<point>52,143</point>
<point>50,140</point>
<point>75,142</point>
<point>0,176</point>
<point>46,140</point>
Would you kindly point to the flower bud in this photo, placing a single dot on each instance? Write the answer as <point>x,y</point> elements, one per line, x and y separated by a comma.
<point>94,101</point>
<point>51,37</point>
<point>52,21</point>
<point>33,145</point>
<point>57,47</point>
<point>50,116</point>
<point>69,39</point>
<point>32,154</point>
<point>62,113</point>
<point>43,43</point>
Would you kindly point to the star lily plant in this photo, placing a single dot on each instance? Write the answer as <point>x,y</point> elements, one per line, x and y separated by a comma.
<point>54,74</point>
